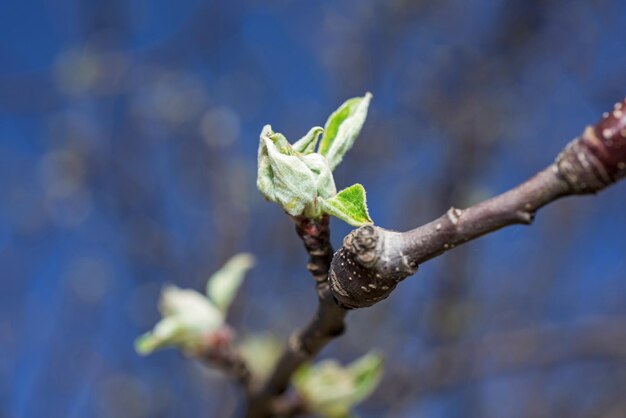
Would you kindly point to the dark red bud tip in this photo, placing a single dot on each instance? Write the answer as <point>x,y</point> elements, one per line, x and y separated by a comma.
<point>597,158</point>
<point>608,142</point>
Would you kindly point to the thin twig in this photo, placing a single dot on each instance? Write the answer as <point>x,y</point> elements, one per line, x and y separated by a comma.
<point>373,260</point>
<point>219,352</point>
<point>327,324</point>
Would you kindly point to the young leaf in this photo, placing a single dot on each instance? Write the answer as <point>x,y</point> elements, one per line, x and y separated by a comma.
<point>187,317</point>
<point>307,144</point>
<point>223,285</point>
<point>261,352</point>
<point>332,390</point>
<point>265,175</point>
<point>349,205</point>
<point>166,332</point>
<point>367,372</point>
<point>293,179</point>
<point>342,128</point>
<point>324,181</point>
<point>289,181</point>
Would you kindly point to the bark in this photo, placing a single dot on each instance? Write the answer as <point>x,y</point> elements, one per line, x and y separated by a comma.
<point>374,260</point>
<point>327,323</point>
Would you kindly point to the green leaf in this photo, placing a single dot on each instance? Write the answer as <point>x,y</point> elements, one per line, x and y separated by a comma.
<point>261,352</point>
<point>290,178</point>
<point>166,332</point>
<point>342,129</point>
<point>367,372</point>
<point>332,390</point>
<point>281,143</point>
<point>223,285</point>
<point>349,205</point>
<point>187,317</point>
<point>307,144</point>
<point>324,181</point>
<point>284,178</point>
<point>265,176</point>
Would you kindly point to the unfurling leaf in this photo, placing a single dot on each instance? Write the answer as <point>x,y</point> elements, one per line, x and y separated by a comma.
<point>367,372</point>
<point>349,205</point>
<point>292,179</point>
<point>342,129</point>
<point>307,144</point>
<point>223,285</point>
<point>332,390</point>
<point>300,180</point>
<point>187,316</point>
<point>292,183</point>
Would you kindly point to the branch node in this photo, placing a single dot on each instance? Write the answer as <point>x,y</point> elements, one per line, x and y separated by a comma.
<point>454,215</point>
<point>369,266</point>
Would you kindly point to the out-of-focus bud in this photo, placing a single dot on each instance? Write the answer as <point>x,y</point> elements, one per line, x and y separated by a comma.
<point>188,317</point>
<point>192,320</point>
<point>332,391</point>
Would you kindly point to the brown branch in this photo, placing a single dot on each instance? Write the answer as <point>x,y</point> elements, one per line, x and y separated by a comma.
<point>373,260</point>
<point>230,362</point>
<point>315,234</point>
<point>327,324</point>
<point>218,351</point>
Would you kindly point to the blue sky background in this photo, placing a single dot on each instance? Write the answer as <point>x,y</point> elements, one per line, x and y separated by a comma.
<point>128,140</point>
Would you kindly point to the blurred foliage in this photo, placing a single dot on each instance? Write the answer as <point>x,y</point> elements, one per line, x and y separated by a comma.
<point>332,390</point>
<point>128,141</point>
<point>190,319</point>
<point>261,352</point>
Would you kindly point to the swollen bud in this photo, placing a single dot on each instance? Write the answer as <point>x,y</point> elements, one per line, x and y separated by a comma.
<point>597,158</point>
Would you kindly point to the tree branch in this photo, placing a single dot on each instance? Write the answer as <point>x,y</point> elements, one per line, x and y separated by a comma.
<point>327,324</point>
<point>218,351</point>
<point>374,260</point>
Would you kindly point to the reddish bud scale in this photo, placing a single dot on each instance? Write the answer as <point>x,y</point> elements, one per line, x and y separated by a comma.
<point>315,234</point>
<point>597,158</point>
<point>609,144</point>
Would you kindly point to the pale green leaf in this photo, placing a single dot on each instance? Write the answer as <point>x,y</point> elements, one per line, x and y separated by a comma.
<point>349,205</point>
<point>261,352</point>
<point>223,285</point>
<point>265,176</point>
<point>367,372</point>
<point>190,308</point>
<point>307,144</point>
<point>293,179</point>
<point>281,143</point>
<point>188,316</point>
<point>332,390</point>
<point>292,182</point>
<point>324,180</point>
<point>342,129</point>
<point>167,332</point>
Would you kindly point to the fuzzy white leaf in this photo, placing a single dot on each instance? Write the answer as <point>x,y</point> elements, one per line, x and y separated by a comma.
<point>307,144</point>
